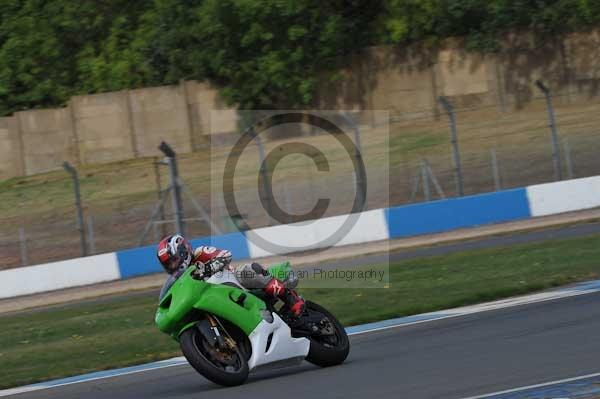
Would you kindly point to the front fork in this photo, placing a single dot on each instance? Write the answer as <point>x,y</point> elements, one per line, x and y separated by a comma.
<point>215,334</point>
<point>214,328</point>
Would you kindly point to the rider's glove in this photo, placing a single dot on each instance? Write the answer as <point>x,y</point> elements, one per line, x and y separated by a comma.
<point>214,266</point>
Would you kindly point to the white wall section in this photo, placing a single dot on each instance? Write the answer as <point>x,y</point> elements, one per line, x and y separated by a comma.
<point>294,235</point>
<point>368,226</point>
<point>57,275</point>
<point>564,196</point>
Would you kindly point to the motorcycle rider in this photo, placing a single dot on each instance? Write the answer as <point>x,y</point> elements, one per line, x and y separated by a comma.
<point>175,254</point>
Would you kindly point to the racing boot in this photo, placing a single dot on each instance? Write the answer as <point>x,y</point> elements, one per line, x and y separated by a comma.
<point>277,289</point>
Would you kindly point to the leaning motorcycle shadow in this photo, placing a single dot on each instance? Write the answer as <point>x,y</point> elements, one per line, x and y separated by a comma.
<point>254,378</point>
<point>267,374</point>
<point>304,368</point>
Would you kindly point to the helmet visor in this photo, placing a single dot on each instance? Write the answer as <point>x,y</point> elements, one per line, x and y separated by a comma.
<point>173,264</point>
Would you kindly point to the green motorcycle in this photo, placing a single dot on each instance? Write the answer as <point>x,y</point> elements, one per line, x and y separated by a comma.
<point>225,331</point>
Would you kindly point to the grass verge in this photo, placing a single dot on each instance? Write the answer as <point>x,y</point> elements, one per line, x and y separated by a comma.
<point>79,338</point>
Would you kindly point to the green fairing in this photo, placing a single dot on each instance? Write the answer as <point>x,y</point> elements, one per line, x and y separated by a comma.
<point>177,310</point>
<point>280,270</point>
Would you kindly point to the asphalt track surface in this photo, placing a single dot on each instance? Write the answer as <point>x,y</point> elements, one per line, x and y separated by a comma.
<point>452,358</point>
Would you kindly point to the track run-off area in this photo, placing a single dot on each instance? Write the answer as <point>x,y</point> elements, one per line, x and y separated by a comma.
<point>546,343</point>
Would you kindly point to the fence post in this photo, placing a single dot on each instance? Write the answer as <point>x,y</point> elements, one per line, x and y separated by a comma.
<point>176,188</point>
<point>434,180</point>
<point>359,180</point>
<point>495,171</point>
<point>552,125</point>
<point>90,226</point>
<point>415,188</point>
<point>454,139</point>
<point>22,168</point>
<point>424,177</point>
<point>131,121</point>
<point>188,114</point>
<point>23,242</point>
<point>76,142</point>
<point>267,189</point>
<point>157,235</point>
<point>568,160</point>
<point>203,214</point>
<point>71,170</point>
<point>287,198</point>
<point>157,163</point>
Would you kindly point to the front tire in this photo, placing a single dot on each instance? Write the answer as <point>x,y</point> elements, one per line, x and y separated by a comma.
<point>323,352</point>
<point>197,352</point>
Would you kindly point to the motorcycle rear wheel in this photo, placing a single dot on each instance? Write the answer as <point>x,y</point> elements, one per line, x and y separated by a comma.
<point>323,351</point>
<point>206,360</point>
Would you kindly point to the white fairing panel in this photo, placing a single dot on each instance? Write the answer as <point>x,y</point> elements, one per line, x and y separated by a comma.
<point>283,345</point>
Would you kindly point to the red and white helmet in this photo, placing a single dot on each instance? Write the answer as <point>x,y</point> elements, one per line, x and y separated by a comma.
<point>174,252</point>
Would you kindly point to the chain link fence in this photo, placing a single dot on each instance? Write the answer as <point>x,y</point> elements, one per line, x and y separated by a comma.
<point>412,162</point>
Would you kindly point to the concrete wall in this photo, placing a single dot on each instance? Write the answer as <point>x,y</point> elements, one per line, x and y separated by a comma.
<point>581,50</point>
<point>160,113</point>
<point>48,139</point>
<point>11,160</point>
<point>208,113</point>
<point>110,127</point>
<point>404,80</point>
<point>104,127</point>
<point>407,80</point>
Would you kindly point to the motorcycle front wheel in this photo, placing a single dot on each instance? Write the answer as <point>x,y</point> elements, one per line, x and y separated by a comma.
<point>328,350</point>
<point>222,366</point>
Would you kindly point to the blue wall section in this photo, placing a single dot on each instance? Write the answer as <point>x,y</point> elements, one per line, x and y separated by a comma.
<point>402,221</point>
<point>444,215</point>
<point>138,261</point>
<point>235,242</point>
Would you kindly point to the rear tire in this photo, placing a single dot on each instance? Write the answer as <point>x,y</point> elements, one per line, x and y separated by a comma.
<point>192,341</point>
<point>324,354</point>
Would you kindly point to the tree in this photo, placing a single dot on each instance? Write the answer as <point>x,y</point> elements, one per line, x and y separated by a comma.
<point>50,49</point>
<point>263,53</point>
<point>481,21</point>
